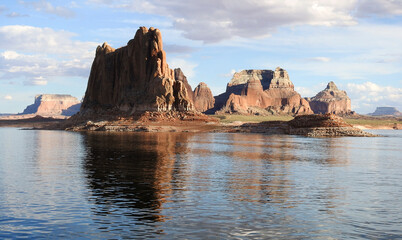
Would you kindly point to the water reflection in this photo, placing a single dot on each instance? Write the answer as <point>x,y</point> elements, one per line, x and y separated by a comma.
<point>132,174</point>
<point>106,186</point>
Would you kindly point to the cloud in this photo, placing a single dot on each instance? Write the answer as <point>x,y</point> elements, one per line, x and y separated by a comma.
<point>366,8</point>
<point>30,52</point>
<point>2,9</point>
<point>36,81</point>
<point>14,65</point>
<point>8,97</point>
<point>16,15</point>
<point>215,20</point>
<point>47,7</point>
<point>367,96</point>
<point>186,66</point>
<point>41,40</point>
<point>175,48</point>
<point>319,59</point>
<point>229,74</point>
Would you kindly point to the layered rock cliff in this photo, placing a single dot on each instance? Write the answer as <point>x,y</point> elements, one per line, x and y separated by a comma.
<point>261,92</point>
<point>201,97</point>
<point>331,100</point>
<point>134,78</point>
<point>53,105</point>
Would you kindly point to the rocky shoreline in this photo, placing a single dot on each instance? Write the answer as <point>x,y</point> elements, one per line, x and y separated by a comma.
<point>321,125</point>
<point>318,125</point>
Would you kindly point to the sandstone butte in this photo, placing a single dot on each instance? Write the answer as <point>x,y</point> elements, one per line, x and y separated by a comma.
<point>53,105</point>
<point>136,78</point>
<point>201,96</point>
<point>331,100</point>
<point>261,92</point>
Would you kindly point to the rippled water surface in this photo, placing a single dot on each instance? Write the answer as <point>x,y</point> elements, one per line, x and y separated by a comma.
<point>56,184</point>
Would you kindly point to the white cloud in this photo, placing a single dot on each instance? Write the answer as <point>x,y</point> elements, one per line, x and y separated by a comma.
<point>8,97</point>
<point>42,40</point>
<point>36,81</point>
<point>216,20</point>
<point>186,67</point>
<point>319,59</point>
<point>367,96</point>
<point>31,52</point>
<point>229,74</point>
<point>47,7</point>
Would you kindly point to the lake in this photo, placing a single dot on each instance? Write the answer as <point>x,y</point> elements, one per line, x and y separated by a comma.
<point>56,184</point>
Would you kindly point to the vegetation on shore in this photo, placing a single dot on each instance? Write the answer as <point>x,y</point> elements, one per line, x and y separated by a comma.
<point>374,122</point>
<point>252,118</point>
<point>363,120</point>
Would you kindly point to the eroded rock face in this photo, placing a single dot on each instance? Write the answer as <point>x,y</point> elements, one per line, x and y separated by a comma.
<point>53,105</point>
<point>331,100</point>
<point>134,78</point>
<point>203,98</point>
<point>261,92</point>
<point>323,125</point>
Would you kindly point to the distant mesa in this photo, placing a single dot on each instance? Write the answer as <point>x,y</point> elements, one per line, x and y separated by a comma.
<point>331,100</point>
<point>386,111</point>
<point>261,92</point>
<point>53,105</point>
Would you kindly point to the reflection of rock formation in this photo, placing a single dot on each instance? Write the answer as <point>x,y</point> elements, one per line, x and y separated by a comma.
<point>53,104</point>
<point>262,169</point>
<point>261,92</point>
<point>137,170</point>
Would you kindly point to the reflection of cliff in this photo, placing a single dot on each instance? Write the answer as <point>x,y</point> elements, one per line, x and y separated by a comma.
<point>265,169</point>
<point>133,172</point>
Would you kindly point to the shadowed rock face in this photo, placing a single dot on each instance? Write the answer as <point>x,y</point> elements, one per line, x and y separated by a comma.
<point>53,105</point>
<point>201,97</point>
<point>261,92</point>
<point>134,78</point>
<point>331,100</point>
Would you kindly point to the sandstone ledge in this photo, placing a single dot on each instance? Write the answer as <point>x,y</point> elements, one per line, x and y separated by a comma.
<point>171,121</point>
<point>327,125</point>
<point>329,132</point>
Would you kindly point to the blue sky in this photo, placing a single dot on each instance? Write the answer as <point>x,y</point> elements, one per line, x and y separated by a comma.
<point>48,46</point>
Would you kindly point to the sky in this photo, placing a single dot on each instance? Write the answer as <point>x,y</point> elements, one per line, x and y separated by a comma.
<point>47,47</point>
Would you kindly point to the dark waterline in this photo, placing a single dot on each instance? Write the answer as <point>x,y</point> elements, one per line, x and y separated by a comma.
<point>56,184</point>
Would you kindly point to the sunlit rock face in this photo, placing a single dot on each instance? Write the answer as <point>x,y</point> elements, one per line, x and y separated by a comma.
<point>261,92</point>
<point>201,97</point>
<point>53,105</point>
<point>331,100</point>
<point>134,78</point>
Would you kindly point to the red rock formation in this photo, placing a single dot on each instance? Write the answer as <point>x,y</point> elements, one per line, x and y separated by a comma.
<point>203,98</point>
<point>53,105</point>
<point>134,78</point>
<point>331,100</point>
<point>179,76</point>
<point>262,92</point>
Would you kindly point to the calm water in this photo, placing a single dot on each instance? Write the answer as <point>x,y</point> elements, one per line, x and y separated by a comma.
<point>56,184</point>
